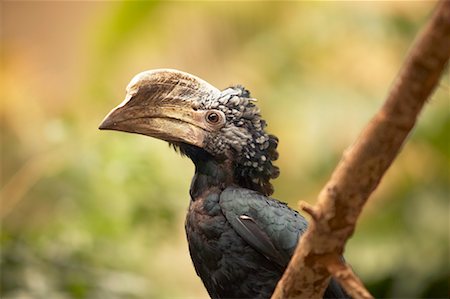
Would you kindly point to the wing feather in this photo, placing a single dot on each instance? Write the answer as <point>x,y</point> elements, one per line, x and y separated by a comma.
<point>269,226</point>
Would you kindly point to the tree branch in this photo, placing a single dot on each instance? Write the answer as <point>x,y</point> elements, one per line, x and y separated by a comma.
<point>361,168</point>
<point>344,274</point>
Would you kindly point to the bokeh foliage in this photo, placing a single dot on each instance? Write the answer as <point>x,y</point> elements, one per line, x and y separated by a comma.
<point>89,214</point>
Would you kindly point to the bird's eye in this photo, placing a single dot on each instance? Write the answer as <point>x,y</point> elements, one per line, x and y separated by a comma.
<point>213,117</point>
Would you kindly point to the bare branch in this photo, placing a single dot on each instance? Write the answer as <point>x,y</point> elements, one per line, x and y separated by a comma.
<point>362,167</point>
<point>347,278</point>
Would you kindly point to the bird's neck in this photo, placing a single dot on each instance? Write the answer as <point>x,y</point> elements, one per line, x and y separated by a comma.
<point>210,173</point>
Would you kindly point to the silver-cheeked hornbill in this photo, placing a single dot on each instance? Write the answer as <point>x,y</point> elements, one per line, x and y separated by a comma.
<point>240,239</point>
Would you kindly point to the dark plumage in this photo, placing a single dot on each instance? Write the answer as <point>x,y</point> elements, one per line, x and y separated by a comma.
<point>240,240</point>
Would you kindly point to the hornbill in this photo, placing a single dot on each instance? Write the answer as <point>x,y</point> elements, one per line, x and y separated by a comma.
<point>240,239</point>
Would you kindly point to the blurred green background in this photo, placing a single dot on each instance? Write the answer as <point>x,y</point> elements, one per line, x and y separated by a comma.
<point>90,214</point>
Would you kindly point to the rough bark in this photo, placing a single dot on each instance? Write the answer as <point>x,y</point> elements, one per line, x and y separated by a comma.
<point>361,168</point>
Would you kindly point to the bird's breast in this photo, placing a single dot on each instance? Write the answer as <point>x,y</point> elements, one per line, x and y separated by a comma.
<point>227,265</point>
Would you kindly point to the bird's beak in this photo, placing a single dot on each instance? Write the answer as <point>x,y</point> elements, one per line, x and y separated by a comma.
<point>160,104</point>
<point>169,123</point>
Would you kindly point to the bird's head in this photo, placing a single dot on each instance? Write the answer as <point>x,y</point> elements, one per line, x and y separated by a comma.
<point>193,115</point>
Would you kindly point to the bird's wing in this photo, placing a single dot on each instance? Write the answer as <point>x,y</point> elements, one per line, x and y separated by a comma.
<point>252,233</point>
<point>269,226</point>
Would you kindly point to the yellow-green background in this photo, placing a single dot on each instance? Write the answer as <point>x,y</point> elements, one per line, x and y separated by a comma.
<point>90,214</point>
